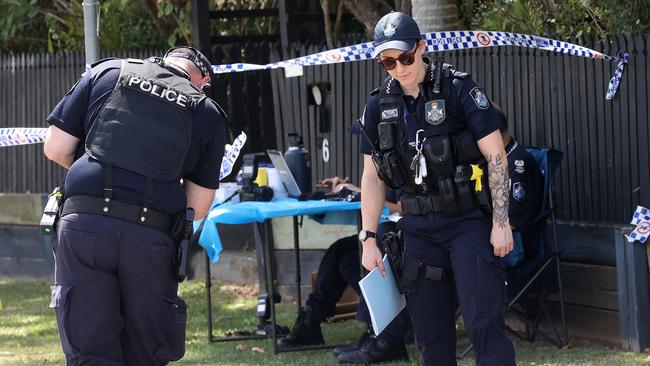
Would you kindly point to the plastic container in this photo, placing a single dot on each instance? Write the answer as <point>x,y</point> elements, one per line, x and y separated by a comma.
<point>279,190</point>
<point>299,162</point>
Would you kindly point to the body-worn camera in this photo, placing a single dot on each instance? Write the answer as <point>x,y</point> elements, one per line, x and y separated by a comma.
<point>51,212</point>
<point>387,135</point>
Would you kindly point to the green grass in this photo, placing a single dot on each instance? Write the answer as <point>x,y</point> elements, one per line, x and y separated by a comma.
<point>28,334</point>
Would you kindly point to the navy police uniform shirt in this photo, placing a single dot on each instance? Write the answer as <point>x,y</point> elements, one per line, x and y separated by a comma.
<point>467,107</point>
<point>76,112</point>
<point>526,185</point>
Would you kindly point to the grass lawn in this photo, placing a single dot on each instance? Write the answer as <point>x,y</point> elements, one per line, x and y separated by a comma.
<point>28,334</point>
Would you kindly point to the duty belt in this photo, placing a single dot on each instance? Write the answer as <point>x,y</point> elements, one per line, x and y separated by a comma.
<point>421,205</point>
<point>125,211</point>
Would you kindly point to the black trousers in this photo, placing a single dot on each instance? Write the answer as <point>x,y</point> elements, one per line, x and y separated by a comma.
<point>460,243</point>
<point>114,293</point>
<point>339,267</point>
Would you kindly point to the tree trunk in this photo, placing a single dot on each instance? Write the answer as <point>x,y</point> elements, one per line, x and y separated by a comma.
<point>329,37</point>
<point>368,12</point>
<point>436,15</point>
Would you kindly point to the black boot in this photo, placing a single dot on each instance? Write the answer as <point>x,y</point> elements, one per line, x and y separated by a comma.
<point>305,332</point>
<point>352,346</point>
<point>376,350</point>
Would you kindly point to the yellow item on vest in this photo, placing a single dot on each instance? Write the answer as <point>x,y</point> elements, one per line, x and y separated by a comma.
<point>477,173</point>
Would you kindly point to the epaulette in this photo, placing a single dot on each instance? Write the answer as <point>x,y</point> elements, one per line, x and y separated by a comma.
<point>102,61</point>
<point>459,74</point>
<point>375,91</point>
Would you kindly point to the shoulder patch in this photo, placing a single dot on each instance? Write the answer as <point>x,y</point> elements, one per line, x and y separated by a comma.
<point>480,99</point>
<point>519,191</point>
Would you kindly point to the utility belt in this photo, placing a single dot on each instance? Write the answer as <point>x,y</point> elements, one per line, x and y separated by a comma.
<point>178,227</point>
<point>125,211</point>
<point>408,271</point>
<point>421,205</point>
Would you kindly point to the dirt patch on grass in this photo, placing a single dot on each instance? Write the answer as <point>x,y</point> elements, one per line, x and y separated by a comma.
<point>240,290</point>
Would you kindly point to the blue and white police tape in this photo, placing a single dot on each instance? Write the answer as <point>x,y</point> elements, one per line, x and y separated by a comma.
<point>641,219</point>
<point>444,41</point>
<point>230,155</point>
<point>21,136</point>
<point>27,136</point>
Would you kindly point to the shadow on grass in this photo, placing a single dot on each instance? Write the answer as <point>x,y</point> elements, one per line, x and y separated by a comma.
<point>28,334</point>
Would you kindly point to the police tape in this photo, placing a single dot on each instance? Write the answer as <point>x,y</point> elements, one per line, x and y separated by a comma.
<point>641,221</point>
<point>21,136</point>
<point>28,136</point>
<point>231,152</point>
<point>444,41</point>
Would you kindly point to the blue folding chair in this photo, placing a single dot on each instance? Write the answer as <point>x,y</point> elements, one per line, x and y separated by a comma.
<point>532,281</point>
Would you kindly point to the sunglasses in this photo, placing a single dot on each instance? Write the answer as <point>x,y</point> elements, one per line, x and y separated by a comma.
<point>406,59</point>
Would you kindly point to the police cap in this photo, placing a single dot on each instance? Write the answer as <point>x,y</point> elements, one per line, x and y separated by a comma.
<point>193,55</point>
<point>395,30</point>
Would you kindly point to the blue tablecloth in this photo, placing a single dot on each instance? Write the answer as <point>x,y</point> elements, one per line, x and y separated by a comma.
<point>251,211</point>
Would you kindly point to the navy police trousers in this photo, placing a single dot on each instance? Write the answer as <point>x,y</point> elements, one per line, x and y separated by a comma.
<point>114,293</point>
<point>341,266</point>
<point>462,244</point>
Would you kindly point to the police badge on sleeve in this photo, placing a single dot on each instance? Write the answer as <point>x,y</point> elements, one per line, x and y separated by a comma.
<point>519,191</point>
<point>435,112</point>
<point>480,99</point>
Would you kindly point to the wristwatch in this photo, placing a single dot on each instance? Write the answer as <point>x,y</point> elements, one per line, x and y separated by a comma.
<point>365,234</point>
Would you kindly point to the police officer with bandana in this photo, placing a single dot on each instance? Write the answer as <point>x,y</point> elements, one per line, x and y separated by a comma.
<point>432,131</point>
<point>141,142</point>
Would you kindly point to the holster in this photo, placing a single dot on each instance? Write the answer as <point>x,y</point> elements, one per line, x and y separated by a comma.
<point>181,232</point>
<point>51,212</point>
<point>395,171</point>
<point>411,271</point>
<point>394,249</point>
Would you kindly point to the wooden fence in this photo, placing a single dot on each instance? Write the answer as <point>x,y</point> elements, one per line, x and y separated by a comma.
<point>32,84</point>
<point>550,100</point>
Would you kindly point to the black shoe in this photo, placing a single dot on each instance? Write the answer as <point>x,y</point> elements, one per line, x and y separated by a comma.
<point>376,350</point>
<point>306,331</point>
<point>352,346</point>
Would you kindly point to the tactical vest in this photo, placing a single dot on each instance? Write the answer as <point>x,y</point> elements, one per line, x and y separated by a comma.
<point>145,126</point>
<point>449,151</point>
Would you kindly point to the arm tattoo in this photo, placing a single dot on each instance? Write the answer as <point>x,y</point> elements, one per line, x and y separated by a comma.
<point>499,187</point>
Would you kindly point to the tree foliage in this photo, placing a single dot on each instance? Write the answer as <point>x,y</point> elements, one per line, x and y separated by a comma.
<point>44,25</point>
<point>560,19</point>
<point>57,25</point>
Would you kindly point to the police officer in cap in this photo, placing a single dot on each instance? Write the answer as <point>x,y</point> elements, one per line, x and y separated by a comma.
<point>433,131</point>
<point>128,132</point>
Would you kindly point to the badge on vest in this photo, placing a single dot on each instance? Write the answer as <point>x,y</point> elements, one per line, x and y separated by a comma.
<point>519,191</point>
<point>389,114</point>
<point>480,99</point>
<point>435,111</point>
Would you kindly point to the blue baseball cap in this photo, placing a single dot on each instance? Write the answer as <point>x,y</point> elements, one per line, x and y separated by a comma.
<point>395,30</point>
